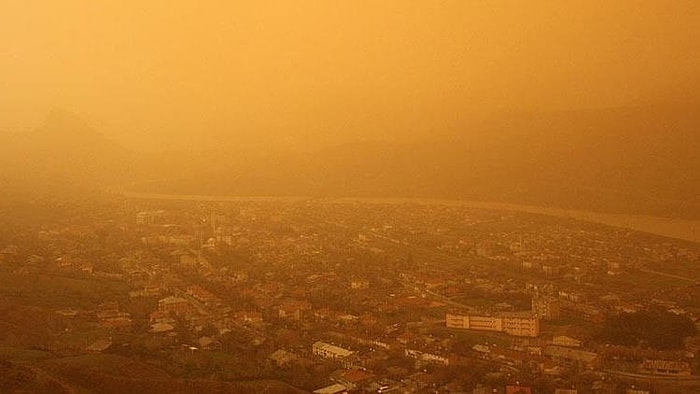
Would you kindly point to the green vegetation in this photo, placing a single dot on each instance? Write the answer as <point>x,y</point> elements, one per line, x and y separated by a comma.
<point>22,354</point>
<point>653,328</point>
<point>52,290</point>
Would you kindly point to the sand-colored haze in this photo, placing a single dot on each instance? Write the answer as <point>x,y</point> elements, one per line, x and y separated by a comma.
<point>158,74</point>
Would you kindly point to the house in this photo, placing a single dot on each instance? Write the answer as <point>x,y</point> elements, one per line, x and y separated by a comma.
<point>208,343</point>
<point>546,307</point>
<point>160,317</point>
<point>160,328</point>
<point>359,284</point>
<point>665,368</point>
<point>248,317</point>
<point>563,340</point>
<point>518,389</point>
<point>10,253</point>
<point>353,378</point>
<point>481,389</point>
<point>483,350</point>
<point>176,305</point>
<point>99,346</point>
<point>292,309</point>
<point>202,295</point>
<point>282,358</point>
<point>426,357</point>
<point>568,354</point>
<point>110,317</point>
<point>108,306</point>
<point>336,388</point>
<point>121,322</point>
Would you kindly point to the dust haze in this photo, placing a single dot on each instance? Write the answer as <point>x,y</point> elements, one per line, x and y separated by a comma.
<point>172,74</point>
<point>349,196</point>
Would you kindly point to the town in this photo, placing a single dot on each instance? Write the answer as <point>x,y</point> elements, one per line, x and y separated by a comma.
<point>339,296</point>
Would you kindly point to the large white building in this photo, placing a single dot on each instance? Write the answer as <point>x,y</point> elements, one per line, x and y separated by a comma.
<point>326,350</point>
<point>511,324</point>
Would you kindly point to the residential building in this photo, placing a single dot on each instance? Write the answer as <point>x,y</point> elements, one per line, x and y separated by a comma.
<point>174,304</point>
<point>511,324</point>
<point>665,367</point>
<point>568,354</point>
<point>563,340</point>
<point>546,307</point>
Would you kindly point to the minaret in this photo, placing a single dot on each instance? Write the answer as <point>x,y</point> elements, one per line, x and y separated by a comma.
<point>520,247</point>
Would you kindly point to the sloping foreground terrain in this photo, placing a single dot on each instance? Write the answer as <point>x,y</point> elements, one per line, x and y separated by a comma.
<point>106,373</point>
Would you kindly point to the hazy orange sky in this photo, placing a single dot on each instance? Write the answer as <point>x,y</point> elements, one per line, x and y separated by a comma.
<point>154,74</point>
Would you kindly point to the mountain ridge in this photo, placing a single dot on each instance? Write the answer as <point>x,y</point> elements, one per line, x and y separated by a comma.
<point>628,160</point>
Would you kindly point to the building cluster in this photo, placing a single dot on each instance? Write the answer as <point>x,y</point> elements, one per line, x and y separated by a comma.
<point>511,324</point>
<point>375,297</point>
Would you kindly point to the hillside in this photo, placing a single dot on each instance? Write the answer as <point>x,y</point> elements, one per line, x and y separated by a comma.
<point>631,160</point>
<point>114,374</point>
<point>64,155</point>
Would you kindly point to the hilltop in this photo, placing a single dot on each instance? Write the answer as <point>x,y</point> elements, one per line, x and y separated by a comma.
<point>64,156</point>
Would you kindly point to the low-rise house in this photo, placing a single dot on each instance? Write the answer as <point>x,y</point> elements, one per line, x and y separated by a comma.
<point>248,317</point>
<point>292,309</point>
<point>426,357</point>
<point>160,328</point>
<point>208,343</point>
<point>160,317</point>
<point>336,388</point>
<point>563,340</point>
<point>176,305</point>
<point>518,389</point>
<point>665,367</point>
<point>202,295</point>
<point>568,354</point>
<point>99,346</point>
<point>282,358</point>
<point>353,379</point>
<point>359,284</point>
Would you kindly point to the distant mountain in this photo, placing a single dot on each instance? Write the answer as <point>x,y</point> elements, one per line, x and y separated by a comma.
<point>63,155</point>
<point>631,160</point>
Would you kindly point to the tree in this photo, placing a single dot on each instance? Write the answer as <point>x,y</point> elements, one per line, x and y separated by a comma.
<point>657,329</point>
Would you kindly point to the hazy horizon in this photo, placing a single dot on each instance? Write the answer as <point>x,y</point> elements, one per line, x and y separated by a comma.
<point>350,196</point>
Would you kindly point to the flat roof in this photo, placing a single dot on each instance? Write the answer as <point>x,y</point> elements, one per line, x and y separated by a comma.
<point>332,389</point>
